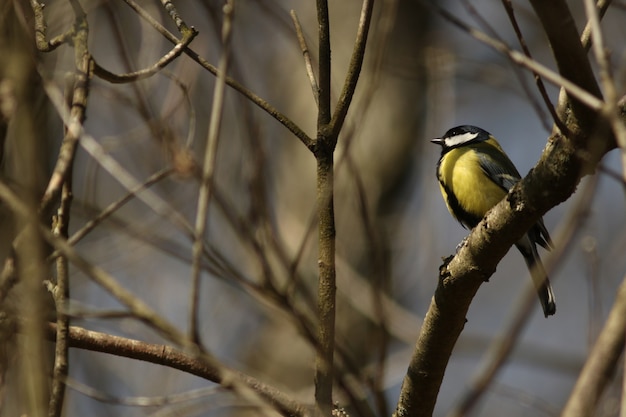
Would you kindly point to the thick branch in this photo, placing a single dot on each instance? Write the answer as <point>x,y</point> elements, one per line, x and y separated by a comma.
<point>551,182</point>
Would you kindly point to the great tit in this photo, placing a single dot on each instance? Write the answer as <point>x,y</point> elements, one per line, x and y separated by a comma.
<point>474,174</point>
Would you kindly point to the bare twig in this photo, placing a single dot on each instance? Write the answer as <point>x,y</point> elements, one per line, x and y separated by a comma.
<point>208,170</point>
<point>508,6</point>
<point>258,101</point>
<point>585,38</point>
<point>611,109</point>
<point>151,70</point>
<point>82,78</point>
<point>588,99</point>
<point>150,198</point>
<point>354,70</point>
<point>113,207</point>
<point>61,293</point>
<point>176,359</point>
<point>41,39</point>
<point>306,54</point>
<point>571,59</point>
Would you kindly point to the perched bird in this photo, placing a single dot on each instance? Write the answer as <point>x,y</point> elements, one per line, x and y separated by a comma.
<point>474,174</point>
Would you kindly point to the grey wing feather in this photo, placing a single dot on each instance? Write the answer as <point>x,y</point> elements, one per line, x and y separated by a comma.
<point>502,173</point>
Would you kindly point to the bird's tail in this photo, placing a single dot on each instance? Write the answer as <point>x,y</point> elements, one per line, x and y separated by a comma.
<point>538,274</point>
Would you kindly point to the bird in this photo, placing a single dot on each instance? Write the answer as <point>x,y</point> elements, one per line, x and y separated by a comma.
<point>474,174</point>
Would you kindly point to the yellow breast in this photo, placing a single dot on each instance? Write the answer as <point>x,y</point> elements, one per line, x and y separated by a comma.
<point>460,171</point>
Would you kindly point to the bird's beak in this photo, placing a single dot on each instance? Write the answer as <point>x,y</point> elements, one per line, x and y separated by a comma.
<point>437,141</point>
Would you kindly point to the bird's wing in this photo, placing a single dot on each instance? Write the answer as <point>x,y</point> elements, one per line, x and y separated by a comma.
<point>503,172</point>
<point>505,175</point>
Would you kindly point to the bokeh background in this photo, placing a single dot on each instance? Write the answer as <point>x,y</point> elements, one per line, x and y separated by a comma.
<point>422,76</point>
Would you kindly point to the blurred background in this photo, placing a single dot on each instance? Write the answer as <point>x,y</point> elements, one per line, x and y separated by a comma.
<point>422,76</point>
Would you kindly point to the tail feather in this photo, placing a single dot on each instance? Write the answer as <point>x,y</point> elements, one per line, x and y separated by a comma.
<point>538,273</point>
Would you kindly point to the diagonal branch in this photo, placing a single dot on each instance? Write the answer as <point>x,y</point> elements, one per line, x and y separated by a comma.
<point>571,58</point>
<point>354,70</point>
<point>258,101</point>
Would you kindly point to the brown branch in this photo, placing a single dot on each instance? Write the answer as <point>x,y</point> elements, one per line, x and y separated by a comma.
<point>354,70</point>
<point>323,150</point>
<point>61,294</point>
<point>173,358</point>
<point>307,56</point>
<point>151,70</point>
<point>502,348</point>
<point>571,59</point>
<point>508,7</point>
<point>82,78</point>
<point>258,101</point>
<point>208,171</point>
<point>41,38</point>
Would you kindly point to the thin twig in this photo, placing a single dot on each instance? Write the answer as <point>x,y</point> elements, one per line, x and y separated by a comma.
<point>178,21</point>
<point>150,198</point>
<point>165,60</point>
<point>82,78</point>
<point>611,109</point>
<point>61,293</point>
<point>575,91</point>
<point>208,170</point>
<point>586,38</point>
<point>306,54</point>
<point>354,70</point>
<point>571,59</point>
<point>258,101</point>
<point>113,207</point>
<point>508,7</point>
<point>41,38</point>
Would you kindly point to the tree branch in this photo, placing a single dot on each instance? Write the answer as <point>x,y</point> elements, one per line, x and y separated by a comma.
<point>168,356</point>
<point>571,58</point>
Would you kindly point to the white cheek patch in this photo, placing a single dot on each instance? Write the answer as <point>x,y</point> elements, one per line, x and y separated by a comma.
<point>460,139</point>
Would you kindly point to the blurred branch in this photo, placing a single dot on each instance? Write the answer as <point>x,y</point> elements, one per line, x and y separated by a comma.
<point>140,310</point>
<point>82,78</point>
<point>264,105</point>
<point>571,59</point>
<point>585,38</point>
<point>208,170</point>
<point>601,363</point>
<point>117,171</point>
<point>508,7</point>
<point>150,71</point>
<point>41,39</point>
<point>113,207</point>
<point>354,70</point>
<point>61,293</point>
<point>307,56</point>
<point>611,109</point>
<point>590,100</point>
<point>173,358</point>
